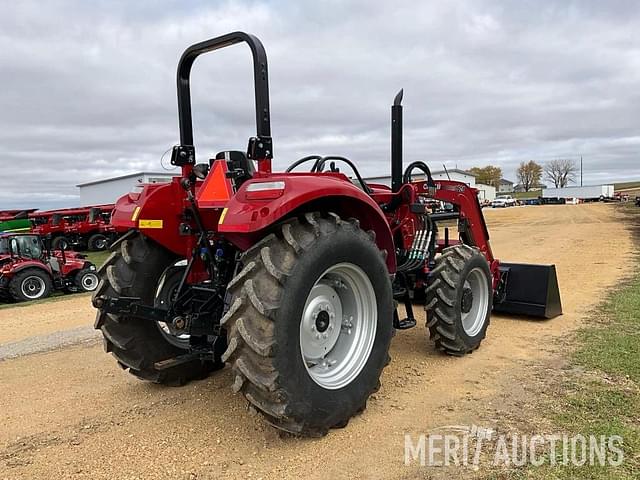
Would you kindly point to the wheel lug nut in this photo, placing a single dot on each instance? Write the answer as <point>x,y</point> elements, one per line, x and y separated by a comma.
<point>313,327</point>
<point>324,335</point>
<point>330,327</point>
<point>318,336</point>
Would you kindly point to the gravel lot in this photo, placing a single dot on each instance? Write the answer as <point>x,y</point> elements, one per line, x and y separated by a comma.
<point>72,413</point>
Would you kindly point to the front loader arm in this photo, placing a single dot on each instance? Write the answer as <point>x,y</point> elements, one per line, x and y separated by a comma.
<point>465,198</point>
<point>521,289</point>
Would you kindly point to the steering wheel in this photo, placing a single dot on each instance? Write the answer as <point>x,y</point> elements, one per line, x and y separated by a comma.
<point>317,159</point>
<point>406,177</point>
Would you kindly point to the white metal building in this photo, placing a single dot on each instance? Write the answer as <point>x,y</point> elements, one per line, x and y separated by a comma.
<point>108,190</point>
<point>454,174</point>
<point>486,192</point>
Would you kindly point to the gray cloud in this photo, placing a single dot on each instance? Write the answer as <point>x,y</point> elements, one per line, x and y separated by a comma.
<point>88,88</point>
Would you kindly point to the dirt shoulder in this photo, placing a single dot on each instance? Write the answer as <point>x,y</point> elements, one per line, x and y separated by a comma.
<point>73,413</point>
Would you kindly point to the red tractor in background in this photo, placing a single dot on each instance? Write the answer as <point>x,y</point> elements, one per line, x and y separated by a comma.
<point>294,278</point>
<point>80,228</point>
<point>29,270</point>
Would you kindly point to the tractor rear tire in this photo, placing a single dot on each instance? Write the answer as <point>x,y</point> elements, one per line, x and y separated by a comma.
<point>271,331</point>
<point>133,270</point>
<point>59,243</point>
<point>30,284</point>
<point>459,300</point>
<point>98,242</point>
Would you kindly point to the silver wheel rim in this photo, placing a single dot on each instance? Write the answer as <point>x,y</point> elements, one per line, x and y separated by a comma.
<point>33,287</point>
<point>179,340</point>
<point>477,284</point>
<point>89,282</point>
<point>338,326</point>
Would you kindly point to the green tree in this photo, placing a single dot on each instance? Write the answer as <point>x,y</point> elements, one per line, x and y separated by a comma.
<point>489,175</point>
<point>529,175</point>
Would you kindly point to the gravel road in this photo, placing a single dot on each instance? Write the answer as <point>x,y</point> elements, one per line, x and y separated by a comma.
<point>51,341</point>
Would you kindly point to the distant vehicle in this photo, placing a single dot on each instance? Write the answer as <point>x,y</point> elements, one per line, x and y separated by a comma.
<point>621,197</point>
<point>585,193</point>
<point>81,228</point>
<point>503,201</point>
<point>30,271</point>
<point>637,201</point>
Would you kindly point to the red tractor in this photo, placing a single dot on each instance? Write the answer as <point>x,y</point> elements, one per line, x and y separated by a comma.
<point>30,271</point>
<point>294,278</point>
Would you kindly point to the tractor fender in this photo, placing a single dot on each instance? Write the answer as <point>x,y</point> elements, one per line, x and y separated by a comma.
<point>18,267</point>
<point>157,211</point>
<point>249,215</point>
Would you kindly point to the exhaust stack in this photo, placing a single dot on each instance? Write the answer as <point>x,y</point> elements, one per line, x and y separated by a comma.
<point>396,142</point>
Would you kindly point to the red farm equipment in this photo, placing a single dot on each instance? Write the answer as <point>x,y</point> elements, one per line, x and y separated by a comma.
<point>293,278</point>
<point>30,270</point>
<point>80,228</point>
<point>15,220</point>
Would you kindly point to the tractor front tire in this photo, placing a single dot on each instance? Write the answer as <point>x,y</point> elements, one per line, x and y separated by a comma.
<point>459,300</point>
<point>310,324</point>
<point>134,270</point>
<point>86,280</point>
<point>98,242</point>
<point>30,284</point>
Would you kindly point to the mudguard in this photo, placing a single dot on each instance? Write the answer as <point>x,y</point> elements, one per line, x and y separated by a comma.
<point>24,264</point>
<point>157,211</point>
<point>254,208</point>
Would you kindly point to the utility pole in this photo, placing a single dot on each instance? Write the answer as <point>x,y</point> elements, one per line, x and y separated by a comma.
<point>580,170</point>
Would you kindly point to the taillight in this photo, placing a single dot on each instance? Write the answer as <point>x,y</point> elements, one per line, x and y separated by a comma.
<point>265,190</point>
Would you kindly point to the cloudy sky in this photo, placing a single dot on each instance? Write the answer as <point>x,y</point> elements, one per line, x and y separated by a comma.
<point>88,88</point>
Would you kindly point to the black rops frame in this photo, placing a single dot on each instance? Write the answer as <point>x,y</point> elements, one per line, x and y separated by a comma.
<point>260,147</point>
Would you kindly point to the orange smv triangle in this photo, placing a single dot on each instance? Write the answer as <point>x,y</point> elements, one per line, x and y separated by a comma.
<point>216,189</point>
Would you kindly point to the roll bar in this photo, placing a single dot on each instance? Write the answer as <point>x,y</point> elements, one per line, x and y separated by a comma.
<point>260,147</point>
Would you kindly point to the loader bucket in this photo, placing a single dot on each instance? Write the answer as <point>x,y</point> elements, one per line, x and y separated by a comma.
<point>530,290</point>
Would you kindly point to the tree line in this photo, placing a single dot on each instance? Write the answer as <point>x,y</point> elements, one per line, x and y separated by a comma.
<point>560,172</point>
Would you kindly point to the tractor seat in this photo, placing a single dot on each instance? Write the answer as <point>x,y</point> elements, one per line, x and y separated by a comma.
<point>54,264</point>
<point>237,160</point>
